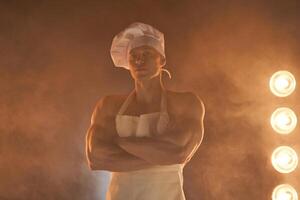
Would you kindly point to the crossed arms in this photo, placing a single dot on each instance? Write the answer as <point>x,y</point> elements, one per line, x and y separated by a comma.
<point>107,151</point>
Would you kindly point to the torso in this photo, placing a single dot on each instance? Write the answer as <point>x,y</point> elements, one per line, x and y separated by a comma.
<point>136,109</point>
<point>176,102</point>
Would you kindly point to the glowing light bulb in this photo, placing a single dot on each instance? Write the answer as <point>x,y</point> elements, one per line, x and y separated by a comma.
<point>283,120</point>
<point>284,159</point>
<point>284,192</point>
<point>282,83</point>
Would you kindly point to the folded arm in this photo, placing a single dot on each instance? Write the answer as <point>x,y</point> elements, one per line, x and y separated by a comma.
<point>108,156</point>
<point>102,152</point>
<point>176,145</point>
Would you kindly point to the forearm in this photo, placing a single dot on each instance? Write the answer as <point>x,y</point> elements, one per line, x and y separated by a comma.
<point>118,163</point>
<point>114,158</point>
<point>152,150</point>
<point>175,146</point>
<point>104,150</point>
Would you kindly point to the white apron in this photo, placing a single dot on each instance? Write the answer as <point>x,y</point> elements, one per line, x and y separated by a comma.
<point>162,182</point>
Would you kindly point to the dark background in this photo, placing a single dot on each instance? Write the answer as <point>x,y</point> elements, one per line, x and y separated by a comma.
<point>55,65</point>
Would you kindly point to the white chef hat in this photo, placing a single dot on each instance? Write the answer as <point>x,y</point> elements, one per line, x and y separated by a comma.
<point>135,35</point>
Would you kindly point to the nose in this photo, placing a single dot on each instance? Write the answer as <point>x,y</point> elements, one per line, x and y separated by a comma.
<point>139,60</point>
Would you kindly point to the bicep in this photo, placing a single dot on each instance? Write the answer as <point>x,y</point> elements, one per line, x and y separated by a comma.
<point>99,136</point>
<point>186,130</point>
<point>98,139</point>
<point>197,130</point>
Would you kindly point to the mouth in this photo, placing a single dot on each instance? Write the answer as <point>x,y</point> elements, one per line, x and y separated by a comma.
<point>140,69</point>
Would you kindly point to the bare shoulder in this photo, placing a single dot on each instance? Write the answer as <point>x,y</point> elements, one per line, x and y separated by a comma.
<point>185,103</point>
<point>110,104</point>
<point>106,108</point>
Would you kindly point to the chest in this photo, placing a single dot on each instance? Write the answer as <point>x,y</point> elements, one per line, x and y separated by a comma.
<point>144,120</point>
<point>137,126</point>
<point>140,109</point>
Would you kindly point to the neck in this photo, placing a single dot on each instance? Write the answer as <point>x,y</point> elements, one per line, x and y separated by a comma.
<point>148,91</point>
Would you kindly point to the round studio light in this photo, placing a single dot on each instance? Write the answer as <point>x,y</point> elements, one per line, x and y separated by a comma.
<point>284,192</point>
<point>282,83</point>
<point>284,159</point>
<point>283,120</point>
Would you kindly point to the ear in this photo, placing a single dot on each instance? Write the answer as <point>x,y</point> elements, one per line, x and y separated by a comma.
<point>162,60</point>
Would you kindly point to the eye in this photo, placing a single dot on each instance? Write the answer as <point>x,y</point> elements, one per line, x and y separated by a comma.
<point>132,56</point>
<point>148,54</point>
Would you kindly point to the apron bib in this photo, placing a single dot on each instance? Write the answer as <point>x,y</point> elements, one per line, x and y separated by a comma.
<point>161,182</point>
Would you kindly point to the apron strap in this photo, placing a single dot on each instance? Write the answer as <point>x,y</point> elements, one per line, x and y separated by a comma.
<point>163,102</point>
<point>126,103</point>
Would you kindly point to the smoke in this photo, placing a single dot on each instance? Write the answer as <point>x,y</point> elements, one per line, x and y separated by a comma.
<point>55,65</point>
<point>230,61</point>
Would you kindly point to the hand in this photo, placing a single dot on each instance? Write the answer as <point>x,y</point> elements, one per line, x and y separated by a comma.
<point>162,124</point>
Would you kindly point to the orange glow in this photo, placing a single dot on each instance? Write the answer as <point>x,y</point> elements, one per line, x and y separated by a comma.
<point>284,159</point>
<point>282,83</point>
<point>284,192</point>
<point>283,120</point>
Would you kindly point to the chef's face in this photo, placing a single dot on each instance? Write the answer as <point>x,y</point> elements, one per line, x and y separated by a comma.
<point>145,62</point>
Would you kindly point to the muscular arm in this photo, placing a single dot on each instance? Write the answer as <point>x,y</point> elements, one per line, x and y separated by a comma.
<point>178,143</point>
<point>101,150</point>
